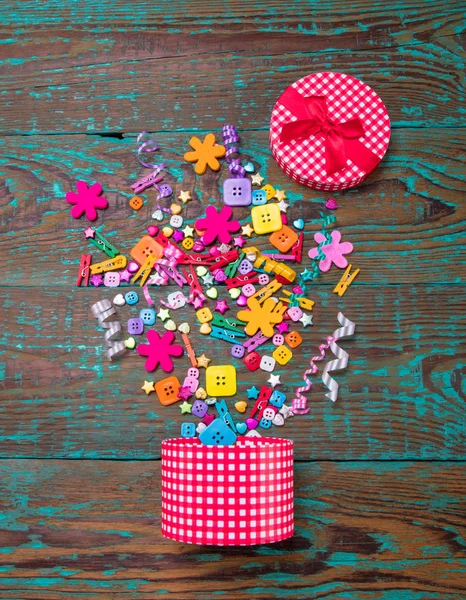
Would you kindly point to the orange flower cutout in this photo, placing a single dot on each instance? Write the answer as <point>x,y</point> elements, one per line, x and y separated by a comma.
<point>205,153</point>
<point>263,316</point>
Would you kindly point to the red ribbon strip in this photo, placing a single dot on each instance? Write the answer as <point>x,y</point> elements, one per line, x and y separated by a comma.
<point>341,139</point>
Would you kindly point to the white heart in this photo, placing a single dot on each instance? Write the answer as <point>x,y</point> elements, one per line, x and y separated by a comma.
<point>184,328</point>
<point>157,215</point>
<point>170,325</point>
<point>119,300</point>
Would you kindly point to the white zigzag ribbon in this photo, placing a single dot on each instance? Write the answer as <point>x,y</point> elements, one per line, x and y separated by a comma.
<point>102,311</point>
<point>347,329</point>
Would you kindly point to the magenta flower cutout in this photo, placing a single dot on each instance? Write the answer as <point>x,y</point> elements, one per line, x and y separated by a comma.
<point>333,252</point>
<point>158,351</point>
<point>217,225</point>
<point>86,200</point>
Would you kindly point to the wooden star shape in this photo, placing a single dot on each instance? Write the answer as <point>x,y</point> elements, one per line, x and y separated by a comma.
<point>247,230</point>
<point>282,205</point>
<point>257,179</point>
<point>185,196</point>
<point>306,320</point>
<point>89,233</point>
<point>205,153</point>
<point>203,361</point>
<point>188,231</point>
<point>280,195</point>
<point>274,380</point>
<point>163,314</point>
<point>185,407</point>
<point>148,387</point>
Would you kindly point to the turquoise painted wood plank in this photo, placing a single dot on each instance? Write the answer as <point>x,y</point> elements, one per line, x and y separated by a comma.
<point>83,82</point>
<point>90,529</point>
<point>401,396</point>
<point>407,222</point>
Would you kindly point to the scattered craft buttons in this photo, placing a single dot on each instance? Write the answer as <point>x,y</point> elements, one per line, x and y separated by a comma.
<point>249,167</point>
<point>237,351</point>
<point>237,192</point>
<point>252,361</point>
<point>136,202</point>
<point>147,246</point>
<point>293,339</point>
<point>221,380</point>
<point>157,215</point>
<point>259,197</point>
<point>167,231</point>
<point>265,423</point>
<point>282,355</point>
<point>299,224</point>
<point>175,209</point>
<point>187,243</point>
<point>112,279</point>
<point>188,430</point>
<point>212,293</point>
<point>245,267</point>
<point>283,239</point>
<point>266,219</point>
<point>278,339</point>
<point>131,298</point>
<point>241,428</point>
<point>199,408</point>
<point>248,290</point>
<point>277,399</point>
<point>135,326</point>
<point>192,383</point>
<point>218,434</point>
<point>204,315</point>
<point>176,221</point>
<point>201,393</point>
<point>295,313</point>
<point>205,329</point>
<point>167,390</point>
<point>130,343</point>
<point>269,413</point>
<point>170,325</point>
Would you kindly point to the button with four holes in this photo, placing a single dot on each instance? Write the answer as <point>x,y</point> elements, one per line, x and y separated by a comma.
<point>278,339</point>
<point>269,191</point>
<point>259,197</point>
<point>147,246</point>
<point>282,355</point>
<point>136,202</point>
<point>147,315</point>
<point>167,390</point>
<point>293,339</point>
<point>266,219</point>
<point>131,298</point>
<point>237,192</point>
<point>237,351</point>
<point>135,326</point>
<point>221,380</point>
<point>252,361</point>
<point>283,239</point>
<point>199,408</point>
<point>277,399</point>
<point>218,434</point>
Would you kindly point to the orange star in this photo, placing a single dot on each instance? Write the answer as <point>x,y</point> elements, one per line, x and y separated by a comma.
<point>205,153</point>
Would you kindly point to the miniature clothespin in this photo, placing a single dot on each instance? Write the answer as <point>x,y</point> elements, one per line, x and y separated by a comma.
<point>119,262</point>
<point>145,270</point>
<point>98,240</point>
<point>303,302</point>
<point>84,270</point>
<point>345,281</point>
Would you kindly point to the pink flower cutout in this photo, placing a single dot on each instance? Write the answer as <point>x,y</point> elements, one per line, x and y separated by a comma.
<point>217,225</point>
<point>158,351</point>
<point>333,252</point>
<point>86,200</point>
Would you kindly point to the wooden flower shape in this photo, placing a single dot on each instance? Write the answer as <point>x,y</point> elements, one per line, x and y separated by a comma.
<point>205,153</point>
<point>262,316</point>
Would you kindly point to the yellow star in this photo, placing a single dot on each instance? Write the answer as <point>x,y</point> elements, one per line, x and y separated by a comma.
<point>257,179</point>
<point>184,196</point>
<point>247,230</point>
<point>280,195</point>
<point>185,407</point>
<point>148,387</point>
<point>203,361</point>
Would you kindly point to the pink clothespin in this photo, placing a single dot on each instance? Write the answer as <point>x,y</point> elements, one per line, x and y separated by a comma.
<point>148,181</point>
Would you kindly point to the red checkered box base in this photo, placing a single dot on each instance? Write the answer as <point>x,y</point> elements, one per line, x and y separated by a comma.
<point>237,495</point>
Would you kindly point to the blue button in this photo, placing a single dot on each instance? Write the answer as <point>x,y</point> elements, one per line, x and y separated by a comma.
<point>277,399</point>
<point>147,315</point>
<point>217,434</point>
<point>131,298</point>
<point>188,430</point>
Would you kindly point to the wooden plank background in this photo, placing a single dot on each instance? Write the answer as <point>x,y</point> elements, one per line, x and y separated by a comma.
<point>380,493</point>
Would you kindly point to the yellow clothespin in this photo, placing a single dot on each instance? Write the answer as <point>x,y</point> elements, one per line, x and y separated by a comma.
<point>119,262</point>
<point>267,291</point>
<point>145,270</point>
<point>303,302</point>
<point>345,281</point>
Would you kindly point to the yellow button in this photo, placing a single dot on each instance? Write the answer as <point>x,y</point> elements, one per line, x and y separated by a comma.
<point>187,243</point>
<point>266,218</point>
<point>221,380</point>
<point>204,315</point>
<point>269,191</point>
<point>282,355</point>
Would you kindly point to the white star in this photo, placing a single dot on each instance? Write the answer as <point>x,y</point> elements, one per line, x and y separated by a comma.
<point>208,279</point>
<point>282,205</point>
<point>163,314</point>
<point>257,179</point>
<point>306,320</point>
<point>274,380</point>
<point>188,231</point>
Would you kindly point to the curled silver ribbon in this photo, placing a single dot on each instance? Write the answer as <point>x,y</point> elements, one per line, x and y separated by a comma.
<point>102,311</point>
<point>347,329</point>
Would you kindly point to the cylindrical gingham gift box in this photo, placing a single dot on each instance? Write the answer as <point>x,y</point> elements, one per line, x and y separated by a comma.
<point>237,495</point>
<point>340,131</point>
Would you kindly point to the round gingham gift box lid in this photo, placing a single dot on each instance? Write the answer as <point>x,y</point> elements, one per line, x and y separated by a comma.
<point>346,98</point>
<point>237,495</point>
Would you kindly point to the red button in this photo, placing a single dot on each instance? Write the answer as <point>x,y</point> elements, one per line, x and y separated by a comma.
<point>252,361</point>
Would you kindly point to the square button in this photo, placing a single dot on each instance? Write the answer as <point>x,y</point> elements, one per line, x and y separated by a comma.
<point>267,363</point>
<point>237,351</point>
<point>147,315</point>
<point>277,399</point>
<point>284,239</point>
<point>217,434</point>
<point>199,408</point>
<point>266,219</point>
<point>135,326</point>
<point>245,267</point>
<point>221,380</point>
<point>146,247</point>
<point>188,430</point>
<point>269,191</point>
<point>167,390</point>
<point>237,192</point>
<point>293,339</point>
<point>259,197</point>
<point>252,361</point>
<point>282,355</point>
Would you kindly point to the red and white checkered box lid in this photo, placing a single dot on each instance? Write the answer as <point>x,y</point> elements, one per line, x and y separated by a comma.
<point>347,98</point>
<point>237,495</point>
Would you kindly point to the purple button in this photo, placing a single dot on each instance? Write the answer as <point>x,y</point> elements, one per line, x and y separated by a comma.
<point>245,267</point>
<point>135,326</point>
<point>199,408</point>
<point>237,192</point>
<point>238,351</point>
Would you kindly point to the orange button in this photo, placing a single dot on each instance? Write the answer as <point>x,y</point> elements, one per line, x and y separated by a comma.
<point>146,247</point>
<point>284,239</point>
<point>167,390</point>
<point>293,339</point>
<point>136,202</point>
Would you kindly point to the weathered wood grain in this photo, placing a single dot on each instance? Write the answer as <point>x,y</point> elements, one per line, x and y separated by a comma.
<point>128,82</point>
<point>400,397</point>
<point>91,529</point>
<point>407,221</point>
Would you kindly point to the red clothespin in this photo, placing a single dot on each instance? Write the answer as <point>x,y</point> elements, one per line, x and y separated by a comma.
<point>223,259</point>
<point>193,282</point>
<point>240,280</point>
<point>297,249</point>
<point>196,259</point>
<point>84,270</point>
<point>261,403</point>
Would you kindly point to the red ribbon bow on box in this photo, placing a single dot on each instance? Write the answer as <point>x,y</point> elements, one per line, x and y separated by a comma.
<point>341,139</point>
